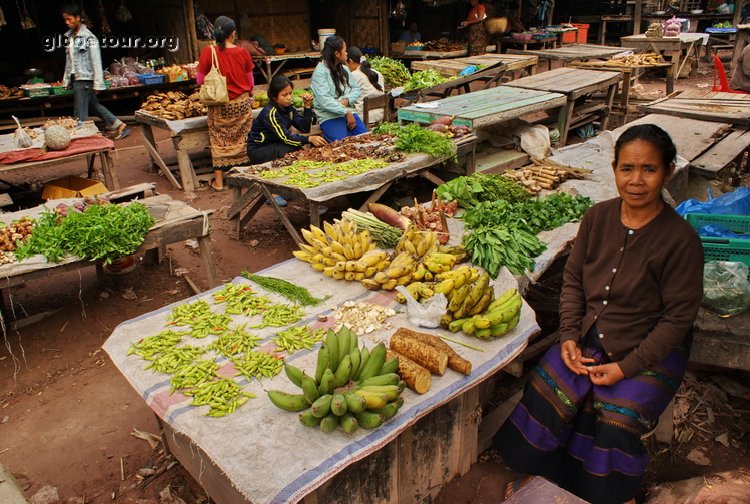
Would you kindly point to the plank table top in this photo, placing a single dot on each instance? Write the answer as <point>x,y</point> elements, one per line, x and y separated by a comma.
<point>484,107</point>
<point>573,82</point>
<point>572,52</point>
<point>454,66</point>
<point>733,108</point>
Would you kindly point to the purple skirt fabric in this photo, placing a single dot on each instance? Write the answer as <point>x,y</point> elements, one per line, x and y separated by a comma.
<point>585,437</point>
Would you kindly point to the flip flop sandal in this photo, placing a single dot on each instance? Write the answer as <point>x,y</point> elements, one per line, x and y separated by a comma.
<point>212,186</point>
<point>123,134</point>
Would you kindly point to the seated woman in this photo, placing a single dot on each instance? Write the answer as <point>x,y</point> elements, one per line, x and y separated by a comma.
<point>335,92</point>
<point>370,81</point>
<point>270,138</point>
<point>631,291</point>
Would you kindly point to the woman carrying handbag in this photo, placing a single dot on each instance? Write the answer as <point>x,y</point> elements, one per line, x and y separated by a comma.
<point>229,117</point>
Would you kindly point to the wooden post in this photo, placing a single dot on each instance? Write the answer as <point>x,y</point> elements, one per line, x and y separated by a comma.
<point>637,17</point>
<point>738,5</point>
<point>192,34</point>
<point>385,36</point>
<point>549,15</point>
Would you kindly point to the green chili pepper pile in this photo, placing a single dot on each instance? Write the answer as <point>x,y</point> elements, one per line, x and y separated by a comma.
<point>298,338</point>
<point>223,396</point>
<point>235,341</point>
<point>195,375</point>
<point>258,365</point>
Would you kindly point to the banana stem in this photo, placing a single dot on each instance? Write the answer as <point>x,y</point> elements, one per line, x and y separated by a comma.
<point>457,342</point>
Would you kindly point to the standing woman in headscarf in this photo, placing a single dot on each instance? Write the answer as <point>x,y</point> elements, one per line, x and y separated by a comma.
<point>336,93</point>
<point>475,23</point>
<point>228,124</point>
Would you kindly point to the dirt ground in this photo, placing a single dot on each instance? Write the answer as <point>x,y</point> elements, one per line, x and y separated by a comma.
<point>67,415</point>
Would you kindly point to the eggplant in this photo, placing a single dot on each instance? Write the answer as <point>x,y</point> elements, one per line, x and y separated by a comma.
<point>389,215</point>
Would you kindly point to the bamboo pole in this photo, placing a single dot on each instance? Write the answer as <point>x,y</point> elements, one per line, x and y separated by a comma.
<point>192,34</point>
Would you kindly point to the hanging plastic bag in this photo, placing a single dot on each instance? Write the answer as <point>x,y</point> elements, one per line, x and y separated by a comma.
<point>424,315</point>
<point>726,289</point>
<point>736,202</point>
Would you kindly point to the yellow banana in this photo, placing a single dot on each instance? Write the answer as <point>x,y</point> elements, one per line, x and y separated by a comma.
<point>410,248</point>
<point>398,272</point>
<point>308,236</point>
<point>328,271</point>
<point>370,284</point>
<point>483,302</point>
<point>389,285</point>
<point>404,280</point>
<point>337,247</point>
<point>330,230</point>
<point>348,252</point>
<point>357,249</point>
<point>418,274</point>
<point>373,400</point>
<point>458,298</point>
<point>350,265</point>
<point>302,255</point>
<point>318,233</point>
<point>338,275</point>
<point>444,287</point>
<point>373,257</point>
<point>380,277</point>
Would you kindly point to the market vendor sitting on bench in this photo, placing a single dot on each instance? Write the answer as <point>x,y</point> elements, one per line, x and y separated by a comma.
<point>270,136</point>
<point>336,93</point>
<point>631,291</point>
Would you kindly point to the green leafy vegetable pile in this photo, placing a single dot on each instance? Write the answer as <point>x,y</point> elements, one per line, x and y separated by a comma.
<point>532,215</point>
<point>103,231</point>
<point>504,233</point>
<point>471,190</point>
<point>394,72</point>
<point>423,79</point>
<point>414,138</point>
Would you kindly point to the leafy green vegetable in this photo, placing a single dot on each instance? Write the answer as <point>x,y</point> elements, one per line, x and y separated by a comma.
<point>414,138</point>
<point>504,233</point>
<point>423,79</point>
<point>532,215</point>
<point>494,247</point>
<point>473,189</point>
<point>394,72</point>
<point>103,231</point>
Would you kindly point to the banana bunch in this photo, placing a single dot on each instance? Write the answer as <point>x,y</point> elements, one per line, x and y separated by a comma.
<point>353,387</point>
<point>500,317</point>
<point>417,242</point>
<point>447,283</point>
<point>434,263</point>
<point>340,252</point>
<point>398,272</point>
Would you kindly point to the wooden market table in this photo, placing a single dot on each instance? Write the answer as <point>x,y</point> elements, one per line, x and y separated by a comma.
<point>484,107</point>
<point>433,438</point>
<point>733,108</point>
<point>452,67</point>
<point>546,43</point>
<point>676,50</point>
<point>266,64</point>
<point>576,84</point>
<point>630,75</point>
<point>186,134</point>
<point>175,222</point>
<point>97,147</point>
<point>45,106</point>
<point>250,192</point>
<point>572,52</point>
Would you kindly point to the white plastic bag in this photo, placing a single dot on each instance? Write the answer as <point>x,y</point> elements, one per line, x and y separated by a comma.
<point>424,315</point>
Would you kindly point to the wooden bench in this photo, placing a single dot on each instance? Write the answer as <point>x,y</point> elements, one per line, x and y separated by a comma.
<point>383,101</point>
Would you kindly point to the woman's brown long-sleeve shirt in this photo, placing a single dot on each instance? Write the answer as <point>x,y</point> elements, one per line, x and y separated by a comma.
<point>641,287</point>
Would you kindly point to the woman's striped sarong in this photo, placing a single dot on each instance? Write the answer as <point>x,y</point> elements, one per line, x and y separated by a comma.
<point>585,437</point>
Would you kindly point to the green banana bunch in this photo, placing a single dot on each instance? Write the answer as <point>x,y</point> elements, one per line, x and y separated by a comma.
<point>500,317</point>
<point>352,387</point>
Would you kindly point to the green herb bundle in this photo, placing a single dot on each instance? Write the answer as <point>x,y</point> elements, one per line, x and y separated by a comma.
<point>394,72</point>
<point>414,138</point>
<point>473,189</point>
<point>103,231</point>
<point>287,289</point>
